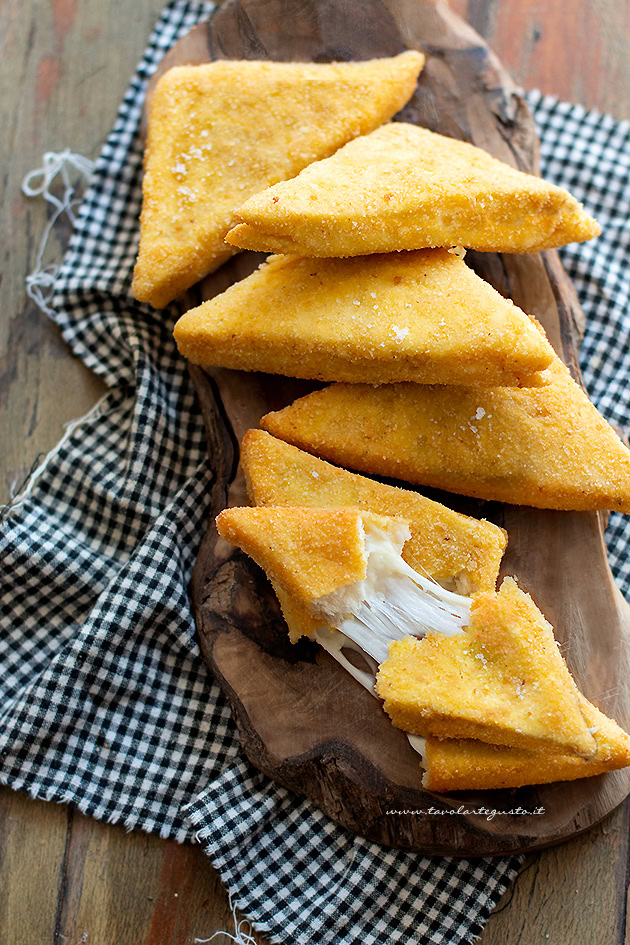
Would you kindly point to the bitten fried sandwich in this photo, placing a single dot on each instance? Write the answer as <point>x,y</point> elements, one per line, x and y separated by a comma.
<point>461,553</point>
<point>479,679</point>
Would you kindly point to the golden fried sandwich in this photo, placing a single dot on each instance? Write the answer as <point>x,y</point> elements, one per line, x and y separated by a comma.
<point>421,316</point>
<point>460,553</point>
<point>308,552</point>
<point>502,681</point>
<point>404,187</point>
<point>491,664</point>
<point>222,131</point>
<point>452,764</point>
<point>546,447</point>
<point>344,567</point>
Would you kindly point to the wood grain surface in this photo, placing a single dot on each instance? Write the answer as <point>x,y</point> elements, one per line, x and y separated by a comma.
<point>65,878</point>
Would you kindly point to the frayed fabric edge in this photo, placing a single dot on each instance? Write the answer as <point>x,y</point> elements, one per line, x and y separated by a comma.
<point>39,793</point>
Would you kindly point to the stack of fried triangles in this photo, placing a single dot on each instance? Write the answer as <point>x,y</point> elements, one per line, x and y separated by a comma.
<point>465,392</point>
<point>220,132</point>
<point>436,378</point>
<point>371,290</point>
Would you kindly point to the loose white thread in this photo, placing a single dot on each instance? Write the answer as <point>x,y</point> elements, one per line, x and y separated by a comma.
<point>40,282</point>
<point>242,937</point>
<point>242,931</point>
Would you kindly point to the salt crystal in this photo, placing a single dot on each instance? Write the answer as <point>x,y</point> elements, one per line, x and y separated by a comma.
<point>399,333</point>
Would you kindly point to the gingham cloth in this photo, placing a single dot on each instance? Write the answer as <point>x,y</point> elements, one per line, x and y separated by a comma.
<point>105,701</point>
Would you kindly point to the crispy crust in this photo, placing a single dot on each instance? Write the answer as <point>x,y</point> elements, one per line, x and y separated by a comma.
<point>502,681</point>
<point>307,553</point>
<point>460,552</point>
<point>467,765</point>
<point>422,316</point>
<point>213,141</point>
<point>404,187</point>
<point>546,447</point>
<point>297,616</point>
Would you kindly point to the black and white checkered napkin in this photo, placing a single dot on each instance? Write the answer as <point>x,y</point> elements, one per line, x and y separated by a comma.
<point>105,702</point>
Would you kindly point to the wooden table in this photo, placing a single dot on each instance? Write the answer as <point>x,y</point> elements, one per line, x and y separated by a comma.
<point>65,878</point>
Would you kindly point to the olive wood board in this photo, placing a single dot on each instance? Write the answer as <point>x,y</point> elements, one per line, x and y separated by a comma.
<point>302,719</point>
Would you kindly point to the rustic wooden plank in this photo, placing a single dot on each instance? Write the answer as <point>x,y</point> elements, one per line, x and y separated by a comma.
<point>352,777</point>
<point>67,65</point>
<point>32,845</point>
<point>62,874</point>
<point>65,878</point>
<point>575,892</point>
<point>136,889</point>
<point>571,893</point>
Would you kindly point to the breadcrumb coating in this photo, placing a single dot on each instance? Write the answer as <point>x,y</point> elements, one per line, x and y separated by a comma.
<point>420,316</point>
<point>222,131</point>
<point>502,680</point>
<point>546,447</point>
<point>469,765</point>
<point>461,553</point>
<point>404,187</point>
<point>308,553</point>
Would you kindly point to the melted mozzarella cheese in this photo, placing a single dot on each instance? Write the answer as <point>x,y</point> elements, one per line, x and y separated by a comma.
<point>393,601</point>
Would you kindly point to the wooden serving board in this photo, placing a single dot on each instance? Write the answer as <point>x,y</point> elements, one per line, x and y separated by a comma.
<point>302,720</point>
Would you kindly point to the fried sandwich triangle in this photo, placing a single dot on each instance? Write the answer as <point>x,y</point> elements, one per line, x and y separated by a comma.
<point>455,764</point>
<point>501,679</point>
<point>221,131</point>
<point>421,316</point>
<point>546,447</point>
<point>404,187</point>
<point>461,553</point>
